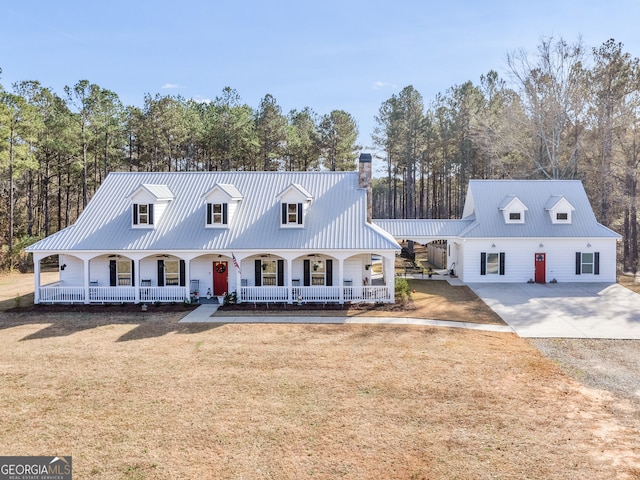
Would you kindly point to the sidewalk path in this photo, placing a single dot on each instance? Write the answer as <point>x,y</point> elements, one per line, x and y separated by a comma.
<point>203,314</point>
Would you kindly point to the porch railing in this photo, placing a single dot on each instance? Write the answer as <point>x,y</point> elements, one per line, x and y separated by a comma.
<point>161,294</point>
<point>57,294</point>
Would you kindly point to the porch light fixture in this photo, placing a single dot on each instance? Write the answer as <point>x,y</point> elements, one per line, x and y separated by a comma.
<point>541,245</point>
<point>588,245</point>
<point>63,266</point>
<point>367,266</point>
<point>493,245</point>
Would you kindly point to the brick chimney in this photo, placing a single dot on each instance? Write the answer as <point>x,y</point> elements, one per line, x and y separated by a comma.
<point>364,180</point>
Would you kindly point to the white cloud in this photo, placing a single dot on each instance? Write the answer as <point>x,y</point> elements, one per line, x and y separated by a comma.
<point>200,99</point>
<point>171,86</point>
<point>378,85</point>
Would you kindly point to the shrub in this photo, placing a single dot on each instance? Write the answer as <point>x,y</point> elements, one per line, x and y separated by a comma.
<point>403,292</point>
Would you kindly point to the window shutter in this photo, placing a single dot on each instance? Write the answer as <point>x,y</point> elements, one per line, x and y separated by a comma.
<point>483,263</point>
<point>161,273</point>
<point>299,214</point>
<point>135,213</point>
<point>258,271</point>
<point>502,263</point>
<point>596,263</point>
<point>225,213</point>
<point>307,273</point>
<point>329,273</point>
<point>578,263</point>
<point>112,273</point>
<point>182,280</point>
<point>151,214</point>
<point>280,273</point>
<point>208,214</point>
<point>284,214</point>
<point>133,273</point>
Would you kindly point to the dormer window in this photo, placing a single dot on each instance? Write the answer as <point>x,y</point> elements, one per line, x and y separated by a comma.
<point>217,214</point>
<point>559,209</point>
<point>148,204</point>
<point>222,201</point>
<point>294,201</point>
<point>292,214</point>
<point>143,213</point>
<point>513,209</point>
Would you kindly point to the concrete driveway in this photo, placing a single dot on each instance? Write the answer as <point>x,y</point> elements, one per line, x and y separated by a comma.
<point>565,310</point>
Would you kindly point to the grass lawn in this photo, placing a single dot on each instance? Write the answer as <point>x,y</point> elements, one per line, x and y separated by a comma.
<point>141,396</point>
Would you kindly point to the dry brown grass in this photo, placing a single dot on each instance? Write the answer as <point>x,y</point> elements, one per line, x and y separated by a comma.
<point>135,396</point>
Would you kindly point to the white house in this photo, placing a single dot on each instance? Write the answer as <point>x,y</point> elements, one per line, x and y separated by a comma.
<point>520,231</point>
<point>308,237</point>
<point>267,236</point>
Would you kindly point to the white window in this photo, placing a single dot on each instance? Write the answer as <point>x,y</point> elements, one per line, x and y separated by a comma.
<point>493,264</point>
<point>171,272</point>
<point>587,263</point>
<point>318,273</point>
<point>292,214</point>
<point>123,272</point>
<point>269,272</point>
<point>217,214</point>
<point>143,214</point>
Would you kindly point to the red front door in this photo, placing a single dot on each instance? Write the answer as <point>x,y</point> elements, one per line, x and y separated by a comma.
<point>541,267</point>
<point>220,278</point>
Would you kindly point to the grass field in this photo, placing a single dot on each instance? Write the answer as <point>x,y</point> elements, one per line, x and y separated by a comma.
<point>141,396</point>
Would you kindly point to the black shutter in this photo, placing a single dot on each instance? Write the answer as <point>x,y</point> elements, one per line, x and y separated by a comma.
<point>208,214</point>
<point>161,273</point>
<point>133,273</point>
<point>307,273</point>
<point>280,273</point>
<point>284,213</point>
<point>483,263</point>
<point>258,270</point>
<point>151,214</point>
<point>578,263</point>
<point>596,263</point>
<point>225,213</point>
<point>182,280</point>
<point>135,213</point>
<point>329,277</point>
<point>113,273</point>
<point>501,263</point>
<point>299,214</point>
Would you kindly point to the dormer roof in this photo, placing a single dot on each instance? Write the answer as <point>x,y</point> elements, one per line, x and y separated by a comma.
<point>297,189</point>
<point>558,201</point>
<point>159,192</point>
<point>227,189</point>
<point>512,203</point>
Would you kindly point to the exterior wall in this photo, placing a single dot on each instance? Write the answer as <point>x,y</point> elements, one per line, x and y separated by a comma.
<point>72,275</point>
<point>519,259</point>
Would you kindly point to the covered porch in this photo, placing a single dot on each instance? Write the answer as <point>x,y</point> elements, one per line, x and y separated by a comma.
<point>253,277</point>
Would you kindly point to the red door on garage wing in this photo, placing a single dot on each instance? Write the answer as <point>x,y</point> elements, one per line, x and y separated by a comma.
<point>540,267</point>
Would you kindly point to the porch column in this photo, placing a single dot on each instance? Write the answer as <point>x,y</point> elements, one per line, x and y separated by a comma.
<point>341,279</point>
<point>289,280</point>
<point>390,277</point>
<point>136,280</point>
<point>85,263</point>
<point>36,278</point>
<point>187,278</point>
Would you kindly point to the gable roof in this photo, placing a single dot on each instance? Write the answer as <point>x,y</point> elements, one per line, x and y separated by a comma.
<point>160,192</point>
<point>337,219</point>
<point>489,195</point>
<point>228,189</point>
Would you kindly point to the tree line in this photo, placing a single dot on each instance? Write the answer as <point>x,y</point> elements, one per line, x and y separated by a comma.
<point>55,150</point>
<point>564,111</point>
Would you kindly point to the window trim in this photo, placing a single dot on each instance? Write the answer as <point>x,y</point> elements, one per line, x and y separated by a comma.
<point>287,212</point>
<point>138,215</point>
<point>217,219</point>
<point>484,263</point>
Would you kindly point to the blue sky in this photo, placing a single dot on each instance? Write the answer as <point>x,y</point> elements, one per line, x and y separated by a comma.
<point>349,55</point>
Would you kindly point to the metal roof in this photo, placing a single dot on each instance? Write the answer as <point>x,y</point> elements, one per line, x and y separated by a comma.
<point>336,220</point>
<point>426,228</point>
<point>488,195</point>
